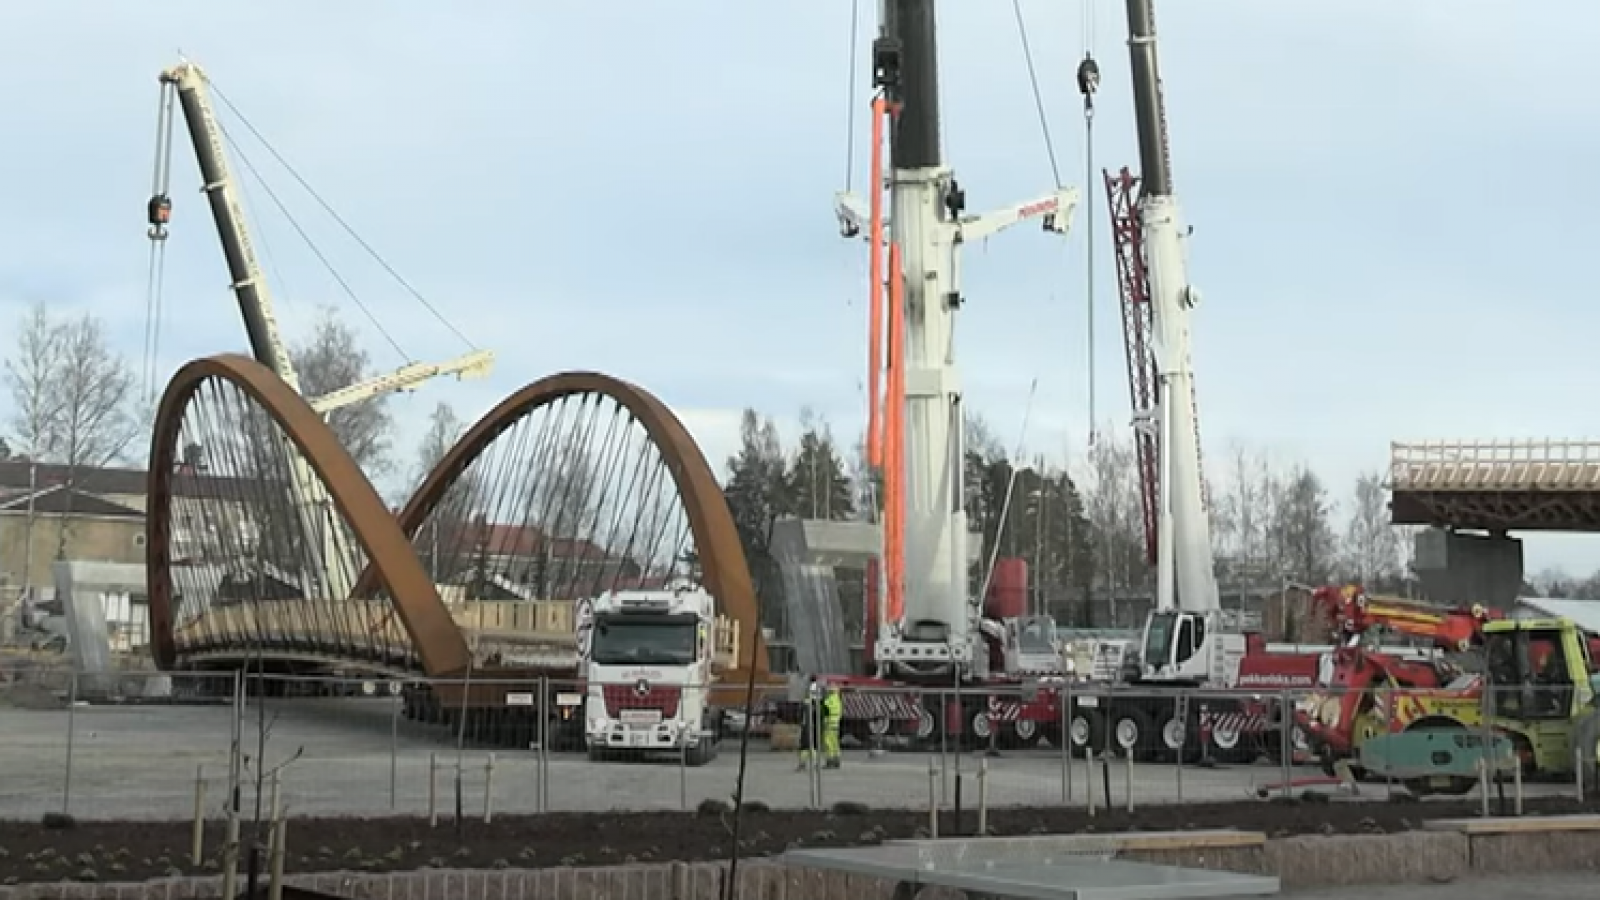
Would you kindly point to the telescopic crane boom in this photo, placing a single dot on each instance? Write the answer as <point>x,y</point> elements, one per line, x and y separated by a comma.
<point>1184,638</point>
<point>332,575</point>
<point>929,622</point>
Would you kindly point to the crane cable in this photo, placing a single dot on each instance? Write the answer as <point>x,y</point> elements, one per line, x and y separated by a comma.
<point>1088,84</point>
<point>159,211</point>
<point>338,219</point>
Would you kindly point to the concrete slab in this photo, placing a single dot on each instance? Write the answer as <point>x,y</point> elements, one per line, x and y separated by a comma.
<point>1070,867</point>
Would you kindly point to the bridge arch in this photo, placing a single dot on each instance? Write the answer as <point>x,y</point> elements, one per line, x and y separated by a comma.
<point>724,569</point>
<point>438,643</point>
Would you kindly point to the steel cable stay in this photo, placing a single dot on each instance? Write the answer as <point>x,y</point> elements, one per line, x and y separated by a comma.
<point>305,238</point>
<point>339,219</point>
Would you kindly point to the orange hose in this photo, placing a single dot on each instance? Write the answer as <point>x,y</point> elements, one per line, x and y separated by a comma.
<point>894,464</point>
<point>875,295</point>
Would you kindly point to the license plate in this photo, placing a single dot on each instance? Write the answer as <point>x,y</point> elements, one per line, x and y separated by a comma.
<point>638,739</point>
<point>1090,702</point>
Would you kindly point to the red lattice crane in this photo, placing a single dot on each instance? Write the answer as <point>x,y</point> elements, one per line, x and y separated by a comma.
<point>1122,196</point>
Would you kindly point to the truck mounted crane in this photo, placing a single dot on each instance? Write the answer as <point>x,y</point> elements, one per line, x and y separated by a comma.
<point>1188,640</point>
<point>332,575</point>
<point>929,624</point>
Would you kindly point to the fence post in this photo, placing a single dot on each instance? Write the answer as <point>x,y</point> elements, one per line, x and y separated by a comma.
<point>1286,740</point>
<point>197,839</point>
<point>1063,720</point>
<point>72,707</point>
<point>541,800</point>
<point>394,748</point>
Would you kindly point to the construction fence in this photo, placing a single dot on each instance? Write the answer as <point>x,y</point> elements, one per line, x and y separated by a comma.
<point>170,746</point>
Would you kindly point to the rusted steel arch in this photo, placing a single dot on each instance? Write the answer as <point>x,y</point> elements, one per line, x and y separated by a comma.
<point>725,571</point>
<point>391,561</point>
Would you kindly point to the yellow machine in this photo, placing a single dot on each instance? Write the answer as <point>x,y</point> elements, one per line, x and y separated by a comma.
<point>1539,699</point>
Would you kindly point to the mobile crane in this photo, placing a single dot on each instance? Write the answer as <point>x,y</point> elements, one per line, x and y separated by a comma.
<point>1188,641</point>
<point>926,626</point>
<point>186,83</point>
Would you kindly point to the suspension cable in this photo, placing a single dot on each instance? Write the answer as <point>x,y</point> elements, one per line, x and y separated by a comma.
<point>1088,84</point>
<point>1038,95</point>
<point>340,220</point>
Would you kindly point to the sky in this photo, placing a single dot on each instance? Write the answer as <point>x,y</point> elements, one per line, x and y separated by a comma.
<point>1386,199</point>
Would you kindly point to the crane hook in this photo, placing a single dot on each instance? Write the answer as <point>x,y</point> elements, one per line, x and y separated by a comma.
<point>1088,81</point>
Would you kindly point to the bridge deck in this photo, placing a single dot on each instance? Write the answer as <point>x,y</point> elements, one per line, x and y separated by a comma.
<point>1497,485</point>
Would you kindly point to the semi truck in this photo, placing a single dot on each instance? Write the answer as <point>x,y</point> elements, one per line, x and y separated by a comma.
<point>649,659</point>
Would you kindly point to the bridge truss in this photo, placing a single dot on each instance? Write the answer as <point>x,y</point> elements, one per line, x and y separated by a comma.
<point>576,484</point>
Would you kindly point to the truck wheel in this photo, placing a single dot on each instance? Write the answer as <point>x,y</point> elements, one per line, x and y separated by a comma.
<point>1176,741</point>
<point>1130,730</point>
<point>1086,730</point>
<point>1021,734</point>
<point>700,754</point>
<point>1229,745</point>
<point>980,728</point>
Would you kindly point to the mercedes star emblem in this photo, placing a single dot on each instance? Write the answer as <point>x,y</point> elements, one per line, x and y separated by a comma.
<point>642,689</point>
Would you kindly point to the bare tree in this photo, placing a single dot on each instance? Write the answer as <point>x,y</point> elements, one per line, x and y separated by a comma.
<point>1112,504</point>
<point>1372,544</point>
<point>94,397</point>
<point>444,429</point>
<point>31,376</point>
<point>1301,511</point>
<point>331,358</point>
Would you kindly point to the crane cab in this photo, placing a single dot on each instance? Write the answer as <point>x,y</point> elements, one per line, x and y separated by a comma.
<point>1190,648</point>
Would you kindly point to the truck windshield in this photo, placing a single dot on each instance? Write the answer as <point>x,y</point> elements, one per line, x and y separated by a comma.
<point>1158,638</point>
<point>624,639</point>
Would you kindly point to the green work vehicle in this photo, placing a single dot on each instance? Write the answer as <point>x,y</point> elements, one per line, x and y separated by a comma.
<point>1539,699</point>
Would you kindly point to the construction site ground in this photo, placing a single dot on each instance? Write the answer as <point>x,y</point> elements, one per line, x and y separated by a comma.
<point>111,851</point>
<point>344,757</point>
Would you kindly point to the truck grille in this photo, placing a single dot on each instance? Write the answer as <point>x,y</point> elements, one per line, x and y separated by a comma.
<point>663,697</point>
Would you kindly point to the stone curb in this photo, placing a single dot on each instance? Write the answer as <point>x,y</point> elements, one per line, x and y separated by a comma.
<point>1444,851</point>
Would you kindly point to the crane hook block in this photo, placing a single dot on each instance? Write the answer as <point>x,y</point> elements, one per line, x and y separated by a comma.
<point>159,212</point>
<point>1088,76</point>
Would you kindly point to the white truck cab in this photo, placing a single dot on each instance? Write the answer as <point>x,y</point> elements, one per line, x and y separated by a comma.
<point>648,658</point>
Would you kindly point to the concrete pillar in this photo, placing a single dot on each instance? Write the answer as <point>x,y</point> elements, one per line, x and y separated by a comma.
<point>1461,569</point>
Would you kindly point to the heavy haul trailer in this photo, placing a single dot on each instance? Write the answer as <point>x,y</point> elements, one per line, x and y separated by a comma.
<point>502,706</point>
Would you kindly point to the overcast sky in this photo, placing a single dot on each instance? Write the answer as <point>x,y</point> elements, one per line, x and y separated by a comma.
<point>1388,202</point>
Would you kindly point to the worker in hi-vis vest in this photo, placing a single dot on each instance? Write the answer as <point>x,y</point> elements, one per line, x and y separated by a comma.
<point>810,712</point>
<point>832,715</point>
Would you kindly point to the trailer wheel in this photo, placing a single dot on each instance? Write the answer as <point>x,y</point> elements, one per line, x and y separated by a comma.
<point>926,724</point>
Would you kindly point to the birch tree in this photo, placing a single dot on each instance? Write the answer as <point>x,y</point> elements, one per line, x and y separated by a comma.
<point>1372,545</point>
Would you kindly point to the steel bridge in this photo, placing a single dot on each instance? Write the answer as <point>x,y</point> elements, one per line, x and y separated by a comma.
<point>269,547</point>
<point>1497,486</point>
